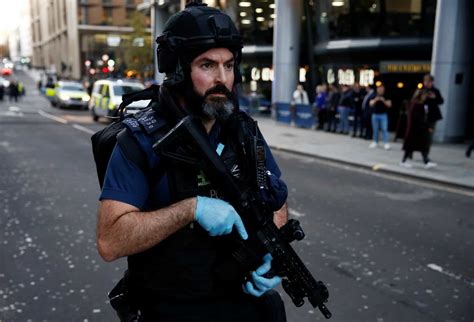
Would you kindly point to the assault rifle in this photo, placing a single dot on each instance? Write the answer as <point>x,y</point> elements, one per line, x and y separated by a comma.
<point>187,142</point>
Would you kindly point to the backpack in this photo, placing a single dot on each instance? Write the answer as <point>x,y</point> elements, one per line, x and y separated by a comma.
<point>104,141</point>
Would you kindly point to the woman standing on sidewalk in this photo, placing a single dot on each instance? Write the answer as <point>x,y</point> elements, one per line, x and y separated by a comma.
<point>380,107</point>
<point>417,136</point>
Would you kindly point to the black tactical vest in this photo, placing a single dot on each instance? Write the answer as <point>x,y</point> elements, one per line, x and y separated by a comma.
<point>183,265</point>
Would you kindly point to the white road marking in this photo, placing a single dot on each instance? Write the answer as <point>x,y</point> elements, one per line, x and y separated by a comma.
<point>14,108</point>
<point>52,117</point>
<point>296,213</point>
<point>83,128</point>
<point>11,113</point>
<point>439,269</point>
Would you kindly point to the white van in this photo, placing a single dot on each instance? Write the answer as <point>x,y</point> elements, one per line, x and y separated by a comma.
<point>107,94</point>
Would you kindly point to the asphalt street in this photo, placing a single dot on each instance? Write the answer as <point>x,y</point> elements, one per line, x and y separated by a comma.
<point>388,249</point>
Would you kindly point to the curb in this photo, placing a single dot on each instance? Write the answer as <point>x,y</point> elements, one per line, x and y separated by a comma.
<point>453,185</point>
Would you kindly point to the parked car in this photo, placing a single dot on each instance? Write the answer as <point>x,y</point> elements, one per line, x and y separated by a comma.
<point>6,68</point>
<point>107,95</point>
<point>70,94</point>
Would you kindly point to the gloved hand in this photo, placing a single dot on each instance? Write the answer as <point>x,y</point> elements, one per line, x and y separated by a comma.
<point>218,217</point>
<point>261,283</point>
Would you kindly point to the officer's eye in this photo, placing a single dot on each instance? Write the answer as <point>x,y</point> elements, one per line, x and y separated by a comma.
<point>229,66</point>
<point>206,65</point>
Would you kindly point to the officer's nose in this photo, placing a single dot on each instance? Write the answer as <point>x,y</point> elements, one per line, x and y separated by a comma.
<point>221,76</point>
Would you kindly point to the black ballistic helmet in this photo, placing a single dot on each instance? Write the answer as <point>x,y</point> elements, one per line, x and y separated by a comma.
<point>191,32</point>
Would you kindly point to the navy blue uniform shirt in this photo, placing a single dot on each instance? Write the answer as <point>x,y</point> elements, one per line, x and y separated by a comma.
<point>126,182</point>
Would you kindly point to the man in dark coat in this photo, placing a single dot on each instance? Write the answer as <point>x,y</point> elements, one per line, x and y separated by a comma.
<point>418,137</point>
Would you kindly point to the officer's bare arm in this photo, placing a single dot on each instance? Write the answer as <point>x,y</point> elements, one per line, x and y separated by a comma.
<point>280,217</point>
<point>123,230</point>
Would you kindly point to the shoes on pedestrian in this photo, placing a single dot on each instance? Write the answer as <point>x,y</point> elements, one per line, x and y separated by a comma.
<point>405,164</point>
<point>373,145</point>
<point>430,165</point>
<point>386,146</point>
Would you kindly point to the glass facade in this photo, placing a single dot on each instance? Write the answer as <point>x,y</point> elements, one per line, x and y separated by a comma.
<point>255,21</point>
<point>373,18</point>
<point>107,12</point>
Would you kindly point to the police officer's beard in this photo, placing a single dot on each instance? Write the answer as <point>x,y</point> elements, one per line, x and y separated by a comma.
<point>217,107</point>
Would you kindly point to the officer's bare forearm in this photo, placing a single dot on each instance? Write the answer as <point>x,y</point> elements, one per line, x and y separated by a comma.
<point>280,217</point>
<point>123,230</point>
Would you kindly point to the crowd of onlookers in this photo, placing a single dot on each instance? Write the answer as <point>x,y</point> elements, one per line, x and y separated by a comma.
<point>369,109</point>
<point>14,90</point>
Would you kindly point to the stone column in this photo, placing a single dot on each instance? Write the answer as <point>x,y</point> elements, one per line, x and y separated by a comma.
<point>451,64</point>
<point>286,44</point>
<point>159,17</point>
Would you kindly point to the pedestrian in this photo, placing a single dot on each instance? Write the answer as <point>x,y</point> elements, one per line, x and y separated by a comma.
<point>358,95</point>
<point>2,91</point>
<point>300,96</point>
<point>321,105</point>
<point>380,106</point>
<point>21,89</point>
<point>344,108</point>
<point>172,231</point>
<point>13,91</point>
<point>417,137</point>
<point>332,102</point>
<point>433,100</point>
<point>366,131</point>
<point>469,150</point>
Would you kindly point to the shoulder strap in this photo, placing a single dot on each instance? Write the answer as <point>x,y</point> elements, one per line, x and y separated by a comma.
<point>132,148</point>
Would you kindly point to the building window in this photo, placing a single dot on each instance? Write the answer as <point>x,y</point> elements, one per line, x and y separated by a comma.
<point>339,19</point>
<point>107,16</point>
<point>255,21</point>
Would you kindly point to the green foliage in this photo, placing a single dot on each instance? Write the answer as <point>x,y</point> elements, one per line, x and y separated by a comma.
<point>138,50</point>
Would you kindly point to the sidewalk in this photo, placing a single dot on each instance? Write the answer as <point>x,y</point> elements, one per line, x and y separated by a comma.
<point>453,167</point>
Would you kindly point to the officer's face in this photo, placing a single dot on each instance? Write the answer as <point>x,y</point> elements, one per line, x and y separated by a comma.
<point>212,74</point>
<point>211,68</point>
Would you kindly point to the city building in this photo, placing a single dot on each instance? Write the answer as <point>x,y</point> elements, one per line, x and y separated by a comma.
<point>341,42</point>
<point>83,38</point>
<point>19,39</point>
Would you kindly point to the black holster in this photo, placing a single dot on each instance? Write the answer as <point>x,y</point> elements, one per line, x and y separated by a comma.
<point>121,300</point>
<point>273,307</point>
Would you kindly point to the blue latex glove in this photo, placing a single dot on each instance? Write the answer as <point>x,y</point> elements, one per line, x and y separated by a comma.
<point>261,283</point>
<point>218,217</point>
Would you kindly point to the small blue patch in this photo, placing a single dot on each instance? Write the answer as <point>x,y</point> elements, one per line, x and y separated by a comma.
<point>220,148</point>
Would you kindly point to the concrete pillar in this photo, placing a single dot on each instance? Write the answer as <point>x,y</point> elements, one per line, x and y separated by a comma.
<point>159,17</point>
<point>451,64</point>
<point>73,40</point>
<point>286,43</point>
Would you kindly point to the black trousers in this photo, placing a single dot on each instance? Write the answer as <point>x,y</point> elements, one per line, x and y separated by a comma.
<point>409,154</point>
<point>245,308</point>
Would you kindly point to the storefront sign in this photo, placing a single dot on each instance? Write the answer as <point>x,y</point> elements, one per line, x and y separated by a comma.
<point>405,67</point>
<point>265,74</point>
<point>345,76</point>
<point>366,77</point>
<point>113,41</point>
<point>330,76</point>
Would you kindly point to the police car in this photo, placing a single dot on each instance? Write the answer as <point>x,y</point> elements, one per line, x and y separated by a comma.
<point>107,94</point>
<point>70,94</point>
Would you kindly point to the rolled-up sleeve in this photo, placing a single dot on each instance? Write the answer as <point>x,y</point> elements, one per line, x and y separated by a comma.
<point>124,181</point>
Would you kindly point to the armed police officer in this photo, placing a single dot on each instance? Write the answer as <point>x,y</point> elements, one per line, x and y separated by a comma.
<point>172,227</point>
